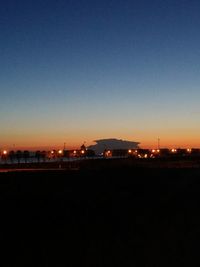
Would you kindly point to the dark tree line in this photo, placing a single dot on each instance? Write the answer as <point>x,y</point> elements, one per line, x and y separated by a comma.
<point>24,156</point>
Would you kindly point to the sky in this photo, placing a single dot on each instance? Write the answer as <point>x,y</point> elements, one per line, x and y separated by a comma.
<point>77,71</point>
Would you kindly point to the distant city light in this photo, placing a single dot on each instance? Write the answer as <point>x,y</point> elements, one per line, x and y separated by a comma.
<point>173,150</point>
<point>82,152</point>
<point>60,151</point>
<point>189,150</point>
<point>5,152</point>
<point>129,151</point>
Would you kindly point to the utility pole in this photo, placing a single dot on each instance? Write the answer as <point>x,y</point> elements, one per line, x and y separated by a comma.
<point>158,143</point>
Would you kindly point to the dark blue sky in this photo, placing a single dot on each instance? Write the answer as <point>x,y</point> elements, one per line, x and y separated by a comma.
<point>83,70</point>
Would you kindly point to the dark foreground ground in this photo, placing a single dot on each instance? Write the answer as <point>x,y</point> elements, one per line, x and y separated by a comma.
<point>123,217</point>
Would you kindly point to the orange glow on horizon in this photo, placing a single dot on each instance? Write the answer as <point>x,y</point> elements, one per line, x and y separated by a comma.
<point>147,140</point>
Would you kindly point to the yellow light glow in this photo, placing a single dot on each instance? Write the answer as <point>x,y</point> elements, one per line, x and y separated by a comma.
<point>60,151</point>
<point>153,151</point>
<point>189,150</point>
<point>5,152</point>
<point>74,152</point>
<point>173,150</point>
<point>158,150</point>
<point>82,151</point>
<point>129,151</point>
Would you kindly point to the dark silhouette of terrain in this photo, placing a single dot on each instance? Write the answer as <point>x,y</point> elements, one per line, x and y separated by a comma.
<point>109,217</point>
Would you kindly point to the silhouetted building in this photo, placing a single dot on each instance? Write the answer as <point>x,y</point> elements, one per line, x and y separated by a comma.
<point>112,144</point>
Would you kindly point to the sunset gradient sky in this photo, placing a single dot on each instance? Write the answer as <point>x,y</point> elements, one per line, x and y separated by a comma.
<point>75,71</point>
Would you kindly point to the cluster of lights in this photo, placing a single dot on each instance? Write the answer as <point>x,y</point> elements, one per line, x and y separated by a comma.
<point>74,153</point>
<point>108,153</point>
<point>155,150</point>
<point>174,150</point>
<point>139,155</point>
<point>132,151</point>
<point>145,156</point>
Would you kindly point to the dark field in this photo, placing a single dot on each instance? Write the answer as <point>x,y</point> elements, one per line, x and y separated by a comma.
<point>122,217</point>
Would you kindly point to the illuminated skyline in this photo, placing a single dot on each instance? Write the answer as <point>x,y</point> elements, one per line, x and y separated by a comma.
<point>75,71</point>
